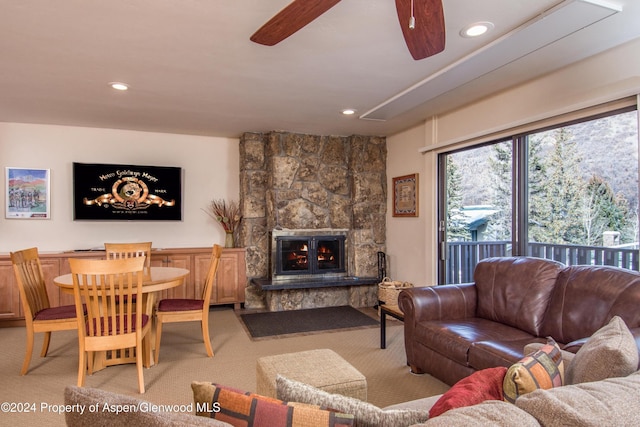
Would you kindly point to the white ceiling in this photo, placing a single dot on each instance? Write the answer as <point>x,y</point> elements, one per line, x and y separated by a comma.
<point>193,70</point>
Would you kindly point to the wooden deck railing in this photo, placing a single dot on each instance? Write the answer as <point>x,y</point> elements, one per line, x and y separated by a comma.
<point>462,257</point>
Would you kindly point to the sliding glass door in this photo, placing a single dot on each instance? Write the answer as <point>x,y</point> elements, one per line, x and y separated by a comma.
<point>476,208</point>
<point>583,192</point>
<point>568,193</point>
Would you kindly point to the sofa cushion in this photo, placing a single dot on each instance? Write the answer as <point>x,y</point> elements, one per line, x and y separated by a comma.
<point>454,338</point>
<point>242,409</point>
<point>515,291</point>
<point>586,297</point>
<point>476,388</point>
<point>103,411</point>
<point>488,354</point>
<point>366,414</point>
<point>494,413</point>
<point>542,369</point>
<point>610,352</point>
<point>611,402</point>
<point>57,313</point>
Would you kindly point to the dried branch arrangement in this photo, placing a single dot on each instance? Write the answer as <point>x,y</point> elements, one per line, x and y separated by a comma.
<point>226,213</point>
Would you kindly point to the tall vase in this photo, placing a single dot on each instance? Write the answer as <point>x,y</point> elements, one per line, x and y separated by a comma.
<point>228,240</point>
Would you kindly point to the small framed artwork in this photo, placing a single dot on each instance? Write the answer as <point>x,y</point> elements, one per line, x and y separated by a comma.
<point>28,193</point>
<point>405,195</point>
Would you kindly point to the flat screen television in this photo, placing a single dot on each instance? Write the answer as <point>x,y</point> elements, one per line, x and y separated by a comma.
<point>126,192</point>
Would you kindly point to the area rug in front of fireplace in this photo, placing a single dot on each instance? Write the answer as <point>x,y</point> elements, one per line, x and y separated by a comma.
<point>277,323</point>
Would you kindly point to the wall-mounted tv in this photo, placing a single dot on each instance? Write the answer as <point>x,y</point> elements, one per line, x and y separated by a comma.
<point>126,192</point>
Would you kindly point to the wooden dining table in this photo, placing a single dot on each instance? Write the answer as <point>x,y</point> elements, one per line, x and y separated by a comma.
<point>156,279</point>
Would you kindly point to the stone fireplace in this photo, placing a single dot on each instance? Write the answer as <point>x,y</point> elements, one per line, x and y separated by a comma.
<point>320,185</point>
<point>308,254</point>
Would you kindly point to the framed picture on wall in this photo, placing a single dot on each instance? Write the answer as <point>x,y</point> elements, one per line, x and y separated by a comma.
<point>28,194</point>
<point>405,195</point>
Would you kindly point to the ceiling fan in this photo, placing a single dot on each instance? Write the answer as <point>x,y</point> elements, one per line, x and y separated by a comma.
<point>422,23</point>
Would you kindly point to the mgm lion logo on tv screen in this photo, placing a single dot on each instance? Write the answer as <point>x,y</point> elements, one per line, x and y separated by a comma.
<point>126,192</point>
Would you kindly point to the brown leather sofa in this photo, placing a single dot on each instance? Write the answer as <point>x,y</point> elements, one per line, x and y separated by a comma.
<point>452,331</point>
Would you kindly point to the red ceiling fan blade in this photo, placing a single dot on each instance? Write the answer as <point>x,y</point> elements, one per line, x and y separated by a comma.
<point>428,36</point>
<point>290,19</point>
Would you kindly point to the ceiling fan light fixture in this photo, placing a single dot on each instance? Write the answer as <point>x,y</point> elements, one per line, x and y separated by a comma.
<point>119,86</point>
<point>476,29</point>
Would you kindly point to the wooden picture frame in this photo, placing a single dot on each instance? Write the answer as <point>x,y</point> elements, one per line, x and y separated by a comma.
<point>27,193</point>
<point>405,196</point>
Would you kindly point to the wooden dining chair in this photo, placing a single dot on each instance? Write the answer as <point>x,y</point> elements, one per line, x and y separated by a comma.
<point>38,314</point>
<point>99,284</point>
<point>172,310</point>
<point>130,250</point>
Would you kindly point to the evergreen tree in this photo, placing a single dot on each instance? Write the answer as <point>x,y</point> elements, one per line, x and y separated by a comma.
<point>628,219</point>
<point>604,211</point>
<point>560,219</point>
<point>500,163</point>
<point>502,172</point>
<point>592,219</point>
<point>537,179</point>
<point>456,226</point>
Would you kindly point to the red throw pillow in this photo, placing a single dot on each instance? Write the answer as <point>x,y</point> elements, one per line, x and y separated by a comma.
<point>476,388</point>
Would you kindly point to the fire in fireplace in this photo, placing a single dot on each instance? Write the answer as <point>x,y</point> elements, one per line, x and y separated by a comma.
<point>298,253</point>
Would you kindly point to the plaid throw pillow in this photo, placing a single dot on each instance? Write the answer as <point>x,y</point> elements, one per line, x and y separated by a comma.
<point>244,409</point>
<point>543,369</point>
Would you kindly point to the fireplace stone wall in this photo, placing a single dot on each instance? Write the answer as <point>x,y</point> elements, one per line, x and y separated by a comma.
<point>299,181</point>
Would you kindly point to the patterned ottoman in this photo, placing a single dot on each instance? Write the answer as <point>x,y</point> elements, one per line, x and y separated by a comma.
<point>322,368</point>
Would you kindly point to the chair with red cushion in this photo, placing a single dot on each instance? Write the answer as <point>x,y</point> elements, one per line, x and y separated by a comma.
<point>111,326</point>
<point>189,310</point>
<point>130,250</point>
<point>38,314</point>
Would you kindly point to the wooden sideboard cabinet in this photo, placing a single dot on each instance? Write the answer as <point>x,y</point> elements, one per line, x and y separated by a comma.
<point>229,287</point>
<point>231,271</point>
<point>10,301</point>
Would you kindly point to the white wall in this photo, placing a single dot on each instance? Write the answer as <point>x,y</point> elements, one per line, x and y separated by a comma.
<point>406,252</point>
<point>210,170</point>
<point>412,243</point>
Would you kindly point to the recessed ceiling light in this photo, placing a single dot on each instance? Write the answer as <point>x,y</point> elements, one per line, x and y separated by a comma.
<point>476,29</point>
<point>348,111</point>
<point>119,86</point>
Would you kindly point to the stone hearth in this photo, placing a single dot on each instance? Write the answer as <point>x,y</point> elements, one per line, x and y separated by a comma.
<point>300,181</point>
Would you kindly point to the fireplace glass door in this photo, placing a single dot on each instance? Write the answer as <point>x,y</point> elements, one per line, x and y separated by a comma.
<point>310,254</point>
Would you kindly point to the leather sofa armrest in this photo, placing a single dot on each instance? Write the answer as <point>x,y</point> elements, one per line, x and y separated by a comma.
<point>574,346</point>
<point>433,303</point>
<point>438,302</point>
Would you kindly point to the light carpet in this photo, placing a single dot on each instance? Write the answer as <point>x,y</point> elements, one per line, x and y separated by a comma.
<point>183,359</point>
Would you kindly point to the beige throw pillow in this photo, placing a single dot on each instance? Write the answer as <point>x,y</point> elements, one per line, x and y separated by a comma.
<point>365,414</point>
<point>610,352</point>
<point>100,410</point>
